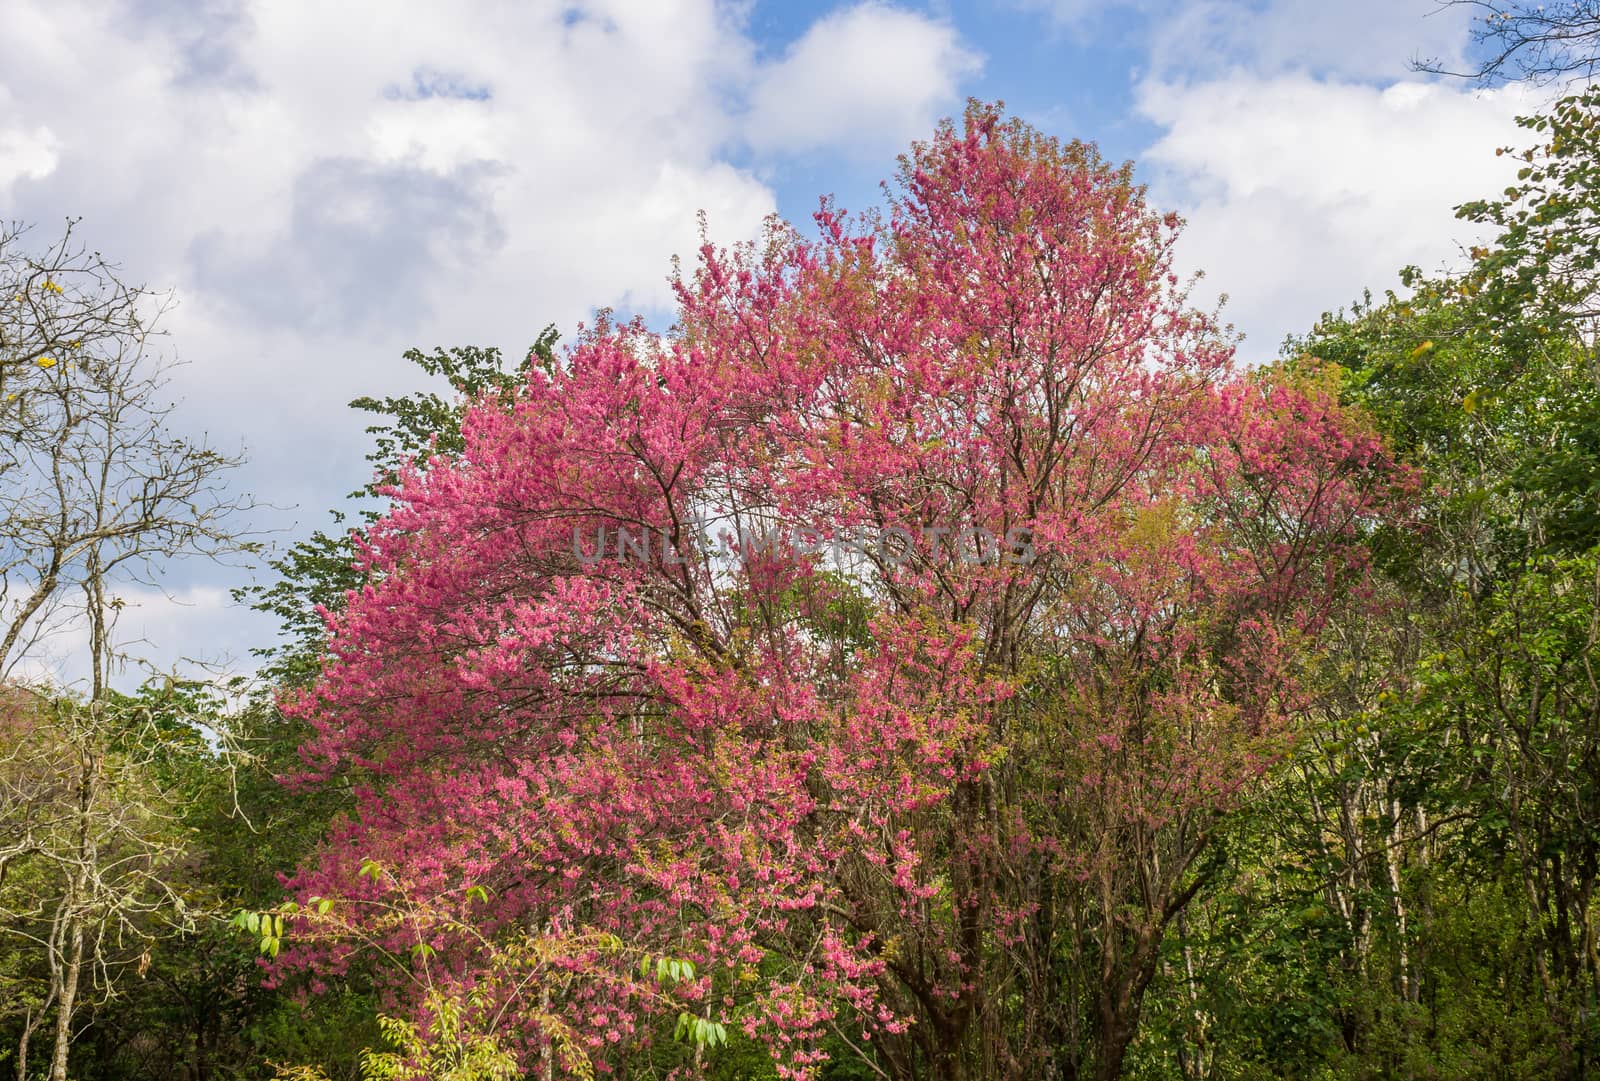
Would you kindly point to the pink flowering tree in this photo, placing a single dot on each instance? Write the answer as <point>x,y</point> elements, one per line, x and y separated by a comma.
<point>865,667</point>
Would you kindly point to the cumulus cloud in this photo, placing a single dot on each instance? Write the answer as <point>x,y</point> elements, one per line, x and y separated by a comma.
<point>359,162</point>
<point>1301,192</point>
<point>1309,158</point>
<point>360,248</point>
<point>26,154</point>
<point>871,76</point>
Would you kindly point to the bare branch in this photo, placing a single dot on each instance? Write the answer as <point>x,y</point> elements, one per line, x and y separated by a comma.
<point>1556,42</point>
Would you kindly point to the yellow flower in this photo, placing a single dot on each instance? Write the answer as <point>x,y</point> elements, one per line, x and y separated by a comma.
<point>46,362</point>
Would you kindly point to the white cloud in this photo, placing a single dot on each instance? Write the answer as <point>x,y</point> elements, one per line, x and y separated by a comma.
<point>1310,159</point>
<point>872,75</point>
<point>1301,192</point>
<point>26,154</point>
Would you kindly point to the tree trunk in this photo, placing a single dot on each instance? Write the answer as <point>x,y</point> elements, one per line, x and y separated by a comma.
<point>30,1024</point>
<point>69,995</point>
<point>77,891</point>
<point>1409,992</point>
<point>22,1047</point>
<point>1121,1004</point>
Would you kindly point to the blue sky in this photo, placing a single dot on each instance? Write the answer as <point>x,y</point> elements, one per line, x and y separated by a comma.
<point>324,185</point>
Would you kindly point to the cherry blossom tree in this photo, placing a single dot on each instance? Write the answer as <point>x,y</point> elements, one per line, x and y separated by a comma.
<point>874,659</point>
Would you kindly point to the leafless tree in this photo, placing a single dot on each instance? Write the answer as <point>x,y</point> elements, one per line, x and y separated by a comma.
<point>96,491</point>
<point>95,487</point>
